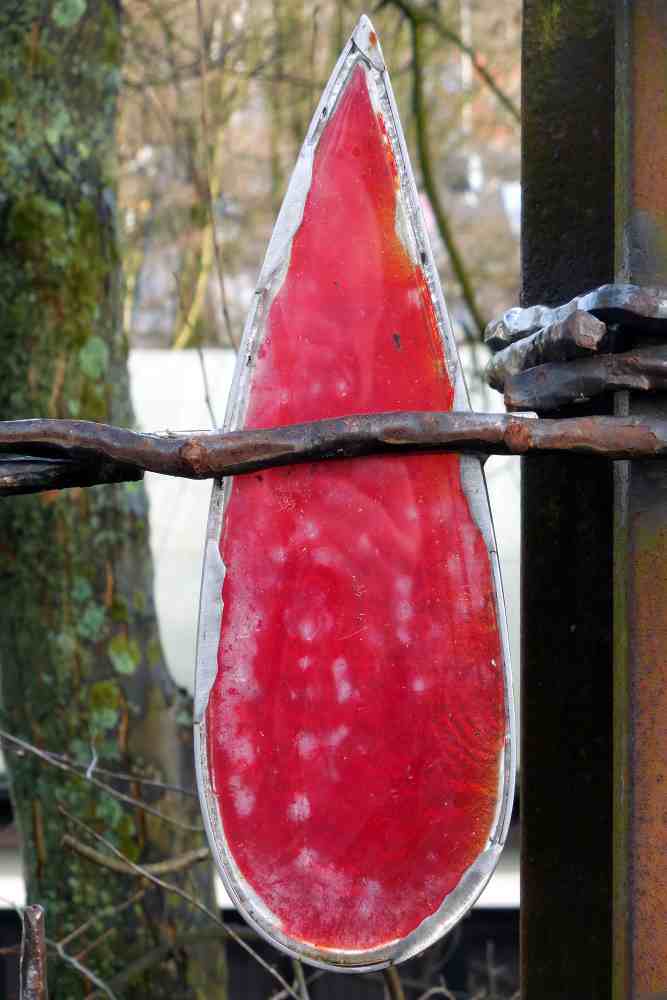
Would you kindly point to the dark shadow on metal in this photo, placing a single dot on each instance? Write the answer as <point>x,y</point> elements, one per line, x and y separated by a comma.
<point>567,248</point>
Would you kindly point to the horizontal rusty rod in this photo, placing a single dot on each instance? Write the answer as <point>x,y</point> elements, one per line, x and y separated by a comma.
<point>19,474</point>
<point>550,386</point>
<point>87,450</point>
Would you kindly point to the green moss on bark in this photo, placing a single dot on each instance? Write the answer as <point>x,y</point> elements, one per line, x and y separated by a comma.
<point>82,668</point>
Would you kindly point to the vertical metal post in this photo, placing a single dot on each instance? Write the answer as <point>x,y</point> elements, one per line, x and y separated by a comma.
<point>33,955</point>
<point>567,247</point>
<point>640,556</point>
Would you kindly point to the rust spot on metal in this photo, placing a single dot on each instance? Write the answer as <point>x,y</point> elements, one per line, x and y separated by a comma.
<point>518,436</point>
<point>196,457</point>
<point>648,701</point>
<point>84,454</point>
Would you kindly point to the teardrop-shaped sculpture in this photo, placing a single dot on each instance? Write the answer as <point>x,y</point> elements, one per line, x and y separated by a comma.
<point>354,731</point>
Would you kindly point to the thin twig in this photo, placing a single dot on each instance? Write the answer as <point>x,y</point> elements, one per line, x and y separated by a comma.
<point>172,887</point>
<point>301,979</point>
<point>437,991</point>
<point>156,955</point>
<point>203,70</point>
<point>104,936</point>
<point>134,779</point>
<point>429,181</point>
<point>207,388</point>
<point>393,984</point>
<point>282,995</point>
<point>93,764</point>
<point>187,328</point>
<point>168,867</point>
<point>81,969</point>
<point>432,18</point>
<point>54,761</point>
<point>109,911</point>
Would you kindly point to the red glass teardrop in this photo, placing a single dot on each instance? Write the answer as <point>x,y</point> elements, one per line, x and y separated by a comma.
<point>357,720</point>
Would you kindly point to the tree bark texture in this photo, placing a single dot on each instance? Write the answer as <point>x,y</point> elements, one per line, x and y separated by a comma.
<point>83,671</point>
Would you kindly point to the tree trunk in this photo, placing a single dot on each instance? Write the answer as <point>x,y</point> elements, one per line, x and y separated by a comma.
<point>82,667</point>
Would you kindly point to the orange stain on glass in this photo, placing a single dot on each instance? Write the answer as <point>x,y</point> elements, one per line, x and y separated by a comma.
<point>357,719</point>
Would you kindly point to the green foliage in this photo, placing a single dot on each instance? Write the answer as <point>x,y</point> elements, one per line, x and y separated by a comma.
<point>124,654</point>
<point>105,700</point>
<point>92,622</point>
<point>94,357</point>
<point>67,12</point>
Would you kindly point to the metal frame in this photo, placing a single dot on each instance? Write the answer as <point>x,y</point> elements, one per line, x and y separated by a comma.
<point>362,49</point>
<point>640,540</point>
<point>566,590</point>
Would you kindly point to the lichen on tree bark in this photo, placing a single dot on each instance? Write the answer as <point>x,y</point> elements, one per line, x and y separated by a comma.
<point>81,663</point>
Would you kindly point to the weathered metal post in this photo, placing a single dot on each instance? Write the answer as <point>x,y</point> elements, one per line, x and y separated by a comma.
<point>640,556</point>
<point>568,241</point>
<point>33,955</point>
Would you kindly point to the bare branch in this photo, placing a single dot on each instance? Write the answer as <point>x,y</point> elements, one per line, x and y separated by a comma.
<point>134,779</point>
<point>312,978</point>
<point>142,871</point>
<point>207,388</point>
<point>211,454</point>
<point>92,945</point>
<point>57,762</point>
<point>109,911</point>
<point>429,181</point>
<point>168,867</point>
<point>434,19</point>
<point>209,178</point>
<point>437,991</point>
<point>393,984</point>
<point>129,778</point>
<point>81,969</point>
<point>300,979</point>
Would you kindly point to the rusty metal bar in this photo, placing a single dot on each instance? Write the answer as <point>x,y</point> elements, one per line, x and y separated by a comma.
<point>576,336</point>
<point>567,249</point>
<point>53,454</point>
<point>551,386</point>
<point>22,474</point>
<point>33,955</point>
<point>640,610</point>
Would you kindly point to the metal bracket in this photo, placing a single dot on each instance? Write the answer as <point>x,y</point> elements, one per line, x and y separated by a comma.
<point>546,358</point>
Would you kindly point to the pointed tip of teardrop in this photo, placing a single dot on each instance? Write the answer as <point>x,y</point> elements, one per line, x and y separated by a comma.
<point>365,38</point>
